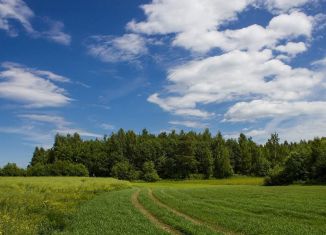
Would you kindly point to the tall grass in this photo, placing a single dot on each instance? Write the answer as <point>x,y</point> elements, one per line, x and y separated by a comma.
<point>41,205</point>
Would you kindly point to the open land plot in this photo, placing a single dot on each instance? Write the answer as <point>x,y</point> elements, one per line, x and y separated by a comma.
<point>72,205</point>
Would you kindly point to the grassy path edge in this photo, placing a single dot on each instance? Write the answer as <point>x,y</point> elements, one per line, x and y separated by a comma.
<point>189,218</point>
<point>150,216</point>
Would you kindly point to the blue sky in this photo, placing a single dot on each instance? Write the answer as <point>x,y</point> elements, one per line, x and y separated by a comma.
<point>248,66</point>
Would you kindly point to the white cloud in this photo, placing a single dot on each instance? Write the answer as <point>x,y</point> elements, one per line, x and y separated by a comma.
<point>32,87</point>
<point>51,119</point>
<point>250,111</point>
<point>292,48</point>
<point>284,5</point>
<point>17,11</point>
<point>169,16</point>
<point>190,124</point>
<point>321,62</point>
<point>114,49</point>
<point>31,134</point>
<point>107,126</point>
<point>292,25</point>
<point>199,28</point>
<point>34,131</point>
<point>253,37</point>
<point>234,76</point>
<point>249,72</point>
<point>176,106</point>
<point>81,132</point>
<point>306,127</point>
<point>56,33</point>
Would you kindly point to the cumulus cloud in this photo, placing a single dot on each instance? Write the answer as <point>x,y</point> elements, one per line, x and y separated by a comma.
<point>199,28</point>
<point>292,48</point>
<point>246,111</point>
<point>234,76</point>
<point>305,127</point>
<point>13,11</point>
<point>253,37</point>
<point>32,87</point>
<point>250,74</point>
<point>108,48</point>
<point>176,106</point>
<point>163,16</point>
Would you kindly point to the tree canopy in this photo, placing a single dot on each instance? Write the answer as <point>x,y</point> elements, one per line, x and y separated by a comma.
<point>149,157</point>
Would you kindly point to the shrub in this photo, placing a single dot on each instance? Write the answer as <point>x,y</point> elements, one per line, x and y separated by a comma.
<point>276,177</point>
<point>149,172</point>
<point>124,171</point>
<point>37,170</point>
<point>59,168</point>
<point>11,169</point>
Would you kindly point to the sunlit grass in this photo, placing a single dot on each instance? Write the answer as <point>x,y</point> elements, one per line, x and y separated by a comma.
<point>253,210</point>
<point>111,213</point>
<point>236,180</point>
<point>73,205</point>
<point>41,205</point>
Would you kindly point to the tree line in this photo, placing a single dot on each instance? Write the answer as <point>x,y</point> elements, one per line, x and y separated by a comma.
<point>182,155</point>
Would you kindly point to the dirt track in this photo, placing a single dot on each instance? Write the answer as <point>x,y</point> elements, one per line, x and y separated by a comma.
<point>151,217</point>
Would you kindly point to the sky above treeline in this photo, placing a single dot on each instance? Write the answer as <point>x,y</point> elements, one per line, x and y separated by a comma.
<point>92,67</point>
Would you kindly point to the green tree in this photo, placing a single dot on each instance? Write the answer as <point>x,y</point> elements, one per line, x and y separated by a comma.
<point>245,153</point>
<point>296,167</point>
<point>149,172</point>
<point>204,159</point>
<point>318,168</point>
<point>124,171</point>
<point>11,169</point>
<point>221,156</point>
<point>273,150</point>
<point>260,165</point>
<point>222,166</point>
<point>186,165</point>
<point>40,155</point>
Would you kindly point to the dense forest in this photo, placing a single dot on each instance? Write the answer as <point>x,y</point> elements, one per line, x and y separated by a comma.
<point>131,156</point>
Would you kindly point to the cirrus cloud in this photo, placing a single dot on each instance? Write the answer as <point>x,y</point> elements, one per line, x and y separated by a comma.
<point>32,87</point>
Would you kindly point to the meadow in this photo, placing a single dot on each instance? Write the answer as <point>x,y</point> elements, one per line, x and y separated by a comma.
<point>42,205</point>
<point>238,205</point>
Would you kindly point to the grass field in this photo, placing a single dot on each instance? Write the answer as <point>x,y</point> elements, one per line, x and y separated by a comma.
<point>239,205</point>
<point>41,205</point>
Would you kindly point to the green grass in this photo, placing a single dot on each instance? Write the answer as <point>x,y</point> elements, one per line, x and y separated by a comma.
<point>41,205</point>
<point>237,180</point>
<point>72,205</point>
<point>111,213</point>
<point>168,217</point>
<point>253,209</point>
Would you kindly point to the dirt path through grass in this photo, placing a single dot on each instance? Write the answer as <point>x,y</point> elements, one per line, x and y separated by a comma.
<point>151,217</point>
<point>189,218</point>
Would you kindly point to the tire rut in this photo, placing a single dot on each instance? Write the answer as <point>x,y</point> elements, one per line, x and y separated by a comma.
<point>189,218</point>
<point>152,218</point>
